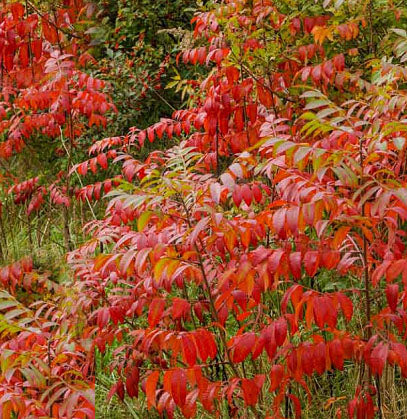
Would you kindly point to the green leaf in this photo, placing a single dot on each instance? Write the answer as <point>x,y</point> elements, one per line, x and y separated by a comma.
<point>400,32</point>
<point>312,93</point>
<point>143,220</point>
<point>401,193</point>
<point>399,142</point>
<point>317,104</point>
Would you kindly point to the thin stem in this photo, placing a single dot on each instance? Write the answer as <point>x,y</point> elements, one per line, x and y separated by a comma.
<point>52,23</point>
<point>207,285</point>
<point>364,250</point>
<point>379,397</point>
<point>370,18</point>
<point>217,151</point>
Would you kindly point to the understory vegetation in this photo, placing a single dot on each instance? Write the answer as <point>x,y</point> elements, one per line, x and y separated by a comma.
<point>203,209</point>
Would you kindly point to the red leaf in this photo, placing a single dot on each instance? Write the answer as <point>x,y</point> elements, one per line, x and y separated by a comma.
<point>17,10</point>
<point>346,306</point>
<point>36,47</point>
<point>102,160</point>
<point>180,308</point>
<point>328,70</point>
<point>49,32</point>
<point>378,358</point>
<point>239,119</point>
<point>120,390</point>
<point>306,71</point>
<point>307,358</point>
<point>392,292</point>
<point>294,262</point>
<point>316,73</point>
<point>257,193</point>
<point>258,347</point>
<point>308,212</point>
<point>150,134</point>
<point>336,353</point>
<point>232,74</point>
<point>179,386</point>
<point>309,23</point>
<point>211,343</point>
<point>103,317</point>
<point>189,350</point>
<point>251,389</point>
<point>395,269</point>
<point>280,331</point>
<point>247,194</point>
<point>155,311</point>
<point>379,272</point>
<point>294,293</point>
<point>279,222</point>
<point>111,393</point>
<point>237,195</point>
<point>23,55</point>
<point>311,262</point>
<point>276,376</point>
<point>274,261</point>
<point>252,112</point>
<point>132,382</point>
<point>201,55</point>
<point>320,358</point>
<point>92,163</point>
<point>9,62</point>
<point>215,190</point>
<point>297,405</point>
<point>242,346</point>
<point>189,409</point>
<point>330,258</point>
<point>270,345</point>
<point>325,312</point>
<point>339,62</point>
<point>83,168</point>
<point>206,344</point>
<point>293,214</point>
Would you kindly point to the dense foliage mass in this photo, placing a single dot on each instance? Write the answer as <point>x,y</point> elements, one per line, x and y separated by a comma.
<point>249,258</point>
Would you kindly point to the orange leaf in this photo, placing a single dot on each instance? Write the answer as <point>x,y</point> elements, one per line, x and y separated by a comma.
<point>346,305</point>
<point>151,385</point>
<point>340,236</point>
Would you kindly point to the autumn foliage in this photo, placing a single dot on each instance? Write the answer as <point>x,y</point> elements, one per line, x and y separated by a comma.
<point>45,360</point>
<point>261,255</point>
